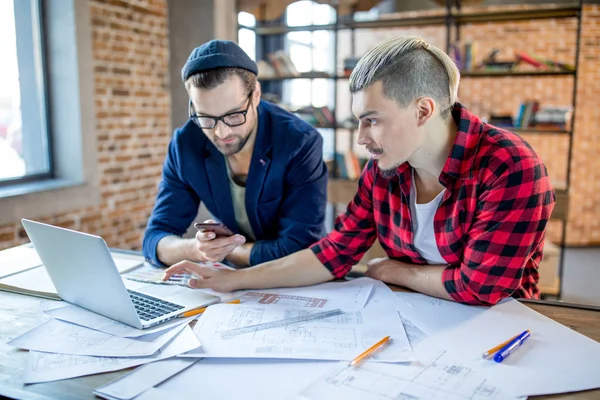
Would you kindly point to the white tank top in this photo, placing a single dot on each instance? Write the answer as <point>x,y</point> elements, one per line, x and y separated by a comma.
<point>422,224</point>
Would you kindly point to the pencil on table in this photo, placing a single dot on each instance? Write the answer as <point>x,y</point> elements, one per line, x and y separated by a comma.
<point>369,351</point>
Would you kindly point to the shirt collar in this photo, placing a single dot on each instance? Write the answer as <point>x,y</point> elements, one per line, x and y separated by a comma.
<point>460,161</point>
<point>459,164</point>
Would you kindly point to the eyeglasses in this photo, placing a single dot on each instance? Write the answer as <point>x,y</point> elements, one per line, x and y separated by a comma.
<point>236,118</point>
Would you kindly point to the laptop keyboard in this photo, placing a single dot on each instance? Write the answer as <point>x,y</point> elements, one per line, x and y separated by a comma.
<point>149,307</point>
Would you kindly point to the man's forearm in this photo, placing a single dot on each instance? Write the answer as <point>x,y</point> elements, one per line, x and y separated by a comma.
<point>172,249</point>
<point>298,269</point>
<point>426,279</point>
<point>240,256</point>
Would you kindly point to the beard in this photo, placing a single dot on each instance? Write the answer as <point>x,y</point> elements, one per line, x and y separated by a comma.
<point>235,147</point>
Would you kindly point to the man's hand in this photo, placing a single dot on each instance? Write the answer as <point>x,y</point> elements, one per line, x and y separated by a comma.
<point>426,279</point>
<point>213,248</point>
<point>205,277</point>
<point>383,269</point>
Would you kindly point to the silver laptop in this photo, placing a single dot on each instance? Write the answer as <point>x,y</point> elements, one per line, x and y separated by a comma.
<point>84,273</point>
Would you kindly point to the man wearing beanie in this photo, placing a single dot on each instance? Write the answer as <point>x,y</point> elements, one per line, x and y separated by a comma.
<point>258,169</point>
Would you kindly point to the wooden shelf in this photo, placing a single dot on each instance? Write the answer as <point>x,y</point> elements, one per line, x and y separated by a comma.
<point>351,24</point>
<point>463,74</point>
<point>316,75</point>
<point>569,11</point>
<point>281,29</point>
<point>341,190</point>
<point>393,22</point>
<point>477,74</point>
<point>561,207</point>
<point>536,131</point>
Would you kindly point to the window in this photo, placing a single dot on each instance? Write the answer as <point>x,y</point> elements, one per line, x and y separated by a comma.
<point>311,51</point>
<point>25,151</point>
<point>69,180</point>
<point>247,37</point>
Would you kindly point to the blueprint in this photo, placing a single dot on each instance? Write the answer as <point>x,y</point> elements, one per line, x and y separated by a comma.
<point>44,367</point>
<point>56,336</point>
<point>79,316</point>
<point>353,294</point>
<point>443,378</point>
<point>414,334</point>
<point>340,337</point>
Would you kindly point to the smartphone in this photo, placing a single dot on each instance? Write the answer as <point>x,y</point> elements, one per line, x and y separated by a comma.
<point>218,228</point>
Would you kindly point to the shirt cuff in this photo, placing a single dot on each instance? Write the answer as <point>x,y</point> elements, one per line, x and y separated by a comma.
<point>327,254</point>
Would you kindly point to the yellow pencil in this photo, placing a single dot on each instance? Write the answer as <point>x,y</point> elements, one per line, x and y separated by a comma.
<point>493,350</point>
<point>369,351</point>
<point>201,310</point>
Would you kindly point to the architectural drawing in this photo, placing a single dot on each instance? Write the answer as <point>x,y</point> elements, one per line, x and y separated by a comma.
<point>339,337</point>
<point>55,336</point>
<point>353,294</point>
<point>441,379</point>
<point>415,335</point>
<point>44,367</point>
<point>287,299</point>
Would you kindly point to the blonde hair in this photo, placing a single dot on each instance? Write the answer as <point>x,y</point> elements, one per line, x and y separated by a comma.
<point>409,68</point>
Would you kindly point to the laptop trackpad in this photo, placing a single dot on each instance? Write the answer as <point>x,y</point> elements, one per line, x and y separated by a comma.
<point>184,296</point>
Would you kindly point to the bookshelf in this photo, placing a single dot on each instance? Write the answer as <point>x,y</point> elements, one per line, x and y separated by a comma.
<point>451,18</point>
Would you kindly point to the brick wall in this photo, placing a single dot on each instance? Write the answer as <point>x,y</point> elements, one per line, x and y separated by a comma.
<point>130,58</point>
<point>584,211</point>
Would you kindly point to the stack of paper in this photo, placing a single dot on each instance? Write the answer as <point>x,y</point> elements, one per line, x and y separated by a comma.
<point>446,339</point>
<point>61,350</point>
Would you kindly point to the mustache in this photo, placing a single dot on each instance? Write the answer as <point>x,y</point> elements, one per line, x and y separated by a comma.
<point>374,150</point>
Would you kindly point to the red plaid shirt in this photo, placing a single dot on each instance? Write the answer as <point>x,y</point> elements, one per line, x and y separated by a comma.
<point>490,226</point>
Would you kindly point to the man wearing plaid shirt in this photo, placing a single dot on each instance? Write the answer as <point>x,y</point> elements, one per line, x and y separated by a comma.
<point>459,206</point>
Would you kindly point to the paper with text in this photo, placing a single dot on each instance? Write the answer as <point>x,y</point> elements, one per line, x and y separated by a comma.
<point>79,316</point>
<point>143,378</point>
<point>352,294</point>
<point>433,315</point>
<point>56,336</point>
<point>555,359</point>
<point>340,337</point>
<point>45,367</point>
<point>441,379</point>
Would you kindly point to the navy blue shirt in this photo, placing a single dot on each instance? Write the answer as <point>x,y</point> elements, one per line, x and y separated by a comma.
<point>286,187</point>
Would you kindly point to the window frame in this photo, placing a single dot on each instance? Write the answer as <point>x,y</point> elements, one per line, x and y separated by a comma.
<point>38,28</point>
<point>69,76</point>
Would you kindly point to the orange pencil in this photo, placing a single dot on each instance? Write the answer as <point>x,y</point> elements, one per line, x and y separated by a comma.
<point>201,310</point>
<point>369,351</point>
<point>493,350</point>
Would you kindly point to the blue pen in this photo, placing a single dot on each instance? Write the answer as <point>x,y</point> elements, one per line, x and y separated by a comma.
<point>512,346</point>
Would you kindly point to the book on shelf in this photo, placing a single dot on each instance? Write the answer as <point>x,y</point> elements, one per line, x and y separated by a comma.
<point>464,55</point>
<point>526,113</point>
<point>349,65</point>
<point>348,165</point>
<point>320,117</point>
<point>531,116</point>
<point>277,64</point>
